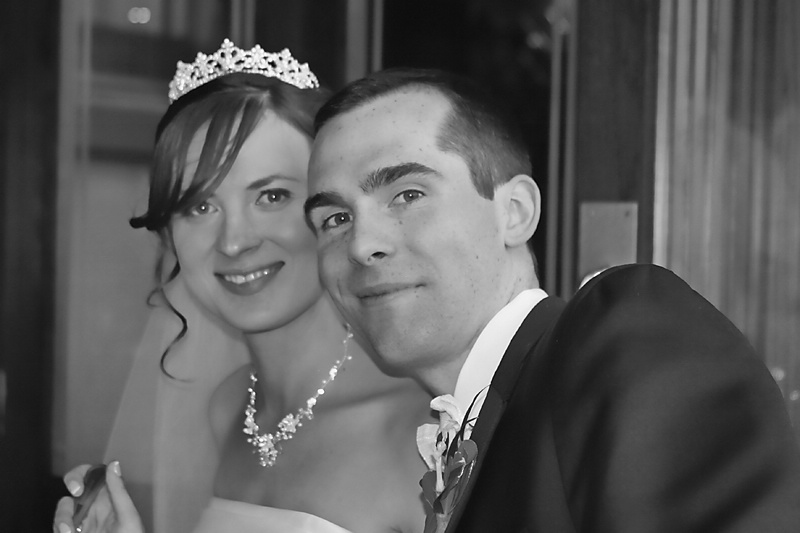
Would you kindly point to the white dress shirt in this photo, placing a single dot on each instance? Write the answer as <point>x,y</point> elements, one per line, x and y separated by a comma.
<point>487,352</point>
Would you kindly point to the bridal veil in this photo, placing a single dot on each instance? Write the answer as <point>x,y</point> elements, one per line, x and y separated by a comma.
<point>161,435</point>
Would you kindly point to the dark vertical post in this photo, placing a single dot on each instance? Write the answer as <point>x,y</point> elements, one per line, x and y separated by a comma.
<point>28,124</point>
<point>615,109</point>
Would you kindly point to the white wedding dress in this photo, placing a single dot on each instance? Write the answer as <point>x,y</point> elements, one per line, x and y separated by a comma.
<point>227,515</point>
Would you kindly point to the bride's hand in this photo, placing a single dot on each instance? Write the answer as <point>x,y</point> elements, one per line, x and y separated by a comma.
<point>111,512</point>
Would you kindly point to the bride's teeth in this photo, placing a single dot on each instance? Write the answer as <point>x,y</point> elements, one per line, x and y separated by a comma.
<point>241,278</point>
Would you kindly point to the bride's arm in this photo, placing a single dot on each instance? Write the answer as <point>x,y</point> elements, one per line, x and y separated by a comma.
<point>111,512</point>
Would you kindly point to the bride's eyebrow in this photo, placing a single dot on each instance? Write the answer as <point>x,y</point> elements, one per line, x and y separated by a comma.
<point>384,176</point>
<point>268,180</point>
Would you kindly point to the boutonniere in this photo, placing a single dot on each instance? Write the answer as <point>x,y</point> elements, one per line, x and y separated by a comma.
<point>450,458</point>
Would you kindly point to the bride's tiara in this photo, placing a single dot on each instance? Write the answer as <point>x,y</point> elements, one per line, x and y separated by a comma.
<point>230,59</point>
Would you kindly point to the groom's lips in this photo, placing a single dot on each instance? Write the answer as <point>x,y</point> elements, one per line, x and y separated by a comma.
<point>382,292</point>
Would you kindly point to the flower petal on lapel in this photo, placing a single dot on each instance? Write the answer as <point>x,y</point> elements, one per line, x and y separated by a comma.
<point>447,405</point>
<point>428,485</point>
<point>469,450</point>
<point>458,466</point>
<point>426,443</point>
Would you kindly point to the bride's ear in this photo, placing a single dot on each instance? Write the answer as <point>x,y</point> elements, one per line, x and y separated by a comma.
<point>521,203</point>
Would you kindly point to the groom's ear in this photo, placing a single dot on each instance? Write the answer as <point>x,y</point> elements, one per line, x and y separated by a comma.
<point>521,204</point>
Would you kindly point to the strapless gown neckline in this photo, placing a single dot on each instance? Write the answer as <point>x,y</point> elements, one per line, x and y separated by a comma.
<point>242,517</point>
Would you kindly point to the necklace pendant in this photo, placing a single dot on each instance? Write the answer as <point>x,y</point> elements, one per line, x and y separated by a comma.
<point>267,445</point>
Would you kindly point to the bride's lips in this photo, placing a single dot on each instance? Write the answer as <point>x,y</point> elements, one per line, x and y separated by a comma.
<point>247,282</point>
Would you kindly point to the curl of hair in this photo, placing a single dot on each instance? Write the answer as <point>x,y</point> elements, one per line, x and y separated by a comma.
<point>229,108</point>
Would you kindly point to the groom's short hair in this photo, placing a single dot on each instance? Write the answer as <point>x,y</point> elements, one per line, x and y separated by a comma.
<point>478,128</point>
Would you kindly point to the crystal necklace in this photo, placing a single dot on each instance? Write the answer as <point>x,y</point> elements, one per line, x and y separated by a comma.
<point>268,446</point>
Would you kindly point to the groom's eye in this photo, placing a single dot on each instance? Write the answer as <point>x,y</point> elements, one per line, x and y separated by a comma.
<point>335,220</point>
<point>407,196</point>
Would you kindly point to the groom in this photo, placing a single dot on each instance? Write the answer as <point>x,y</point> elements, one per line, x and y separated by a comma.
<point>634,407</point>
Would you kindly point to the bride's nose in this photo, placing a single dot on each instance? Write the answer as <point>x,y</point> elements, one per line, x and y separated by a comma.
<point>237,235</point>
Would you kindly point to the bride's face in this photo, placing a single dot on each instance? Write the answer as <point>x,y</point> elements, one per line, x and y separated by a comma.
<point>246,253</point>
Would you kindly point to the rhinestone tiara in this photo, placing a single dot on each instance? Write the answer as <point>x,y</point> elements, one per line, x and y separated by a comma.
<point>230,59</point>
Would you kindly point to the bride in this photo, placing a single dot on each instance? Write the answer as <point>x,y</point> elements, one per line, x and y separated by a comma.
<point>309,434</point>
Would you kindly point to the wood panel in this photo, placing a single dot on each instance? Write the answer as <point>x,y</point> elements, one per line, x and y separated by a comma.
<point>728,167</point>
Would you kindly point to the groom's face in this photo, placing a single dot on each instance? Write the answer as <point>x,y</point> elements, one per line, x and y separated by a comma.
<point>408,249</point>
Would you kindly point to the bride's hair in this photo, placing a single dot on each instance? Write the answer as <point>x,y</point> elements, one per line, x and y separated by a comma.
<point>230,107</point>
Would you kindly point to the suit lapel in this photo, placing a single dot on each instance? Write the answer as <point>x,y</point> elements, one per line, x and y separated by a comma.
<point>502,387</point>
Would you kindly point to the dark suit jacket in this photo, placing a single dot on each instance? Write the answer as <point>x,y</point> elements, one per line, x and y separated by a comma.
<point>636,407</point>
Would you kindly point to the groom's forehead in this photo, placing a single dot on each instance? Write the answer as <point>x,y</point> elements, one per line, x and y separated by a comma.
<point>400,112</point>
<point>379,128</point>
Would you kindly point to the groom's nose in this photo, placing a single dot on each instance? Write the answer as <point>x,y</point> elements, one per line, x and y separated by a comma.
<point>372,237</point>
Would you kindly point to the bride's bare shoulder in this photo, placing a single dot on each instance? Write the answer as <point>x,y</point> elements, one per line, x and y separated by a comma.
<point>227,402</point>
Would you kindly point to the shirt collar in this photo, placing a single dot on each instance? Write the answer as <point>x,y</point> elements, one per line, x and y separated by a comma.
<point>488,350</point>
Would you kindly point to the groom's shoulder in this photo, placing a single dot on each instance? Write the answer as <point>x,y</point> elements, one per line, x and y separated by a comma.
<point>633,319</point>
<point>636,290</point>
<point>642,298</point>
<point>635,278</point>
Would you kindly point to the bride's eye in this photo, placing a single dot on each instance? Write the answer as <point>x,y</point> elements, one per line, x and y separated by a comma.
<point>273,197</point>
<point>203,208</point>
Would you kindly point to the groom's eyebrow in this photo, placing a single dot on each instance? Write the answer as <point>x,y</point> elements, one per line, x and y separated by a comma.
<point>322,199</point>
<point>384,176</point>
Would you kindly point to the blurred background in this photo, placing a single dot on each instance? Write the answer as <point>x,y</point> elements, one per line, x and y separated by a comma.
<point>661,131</point>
